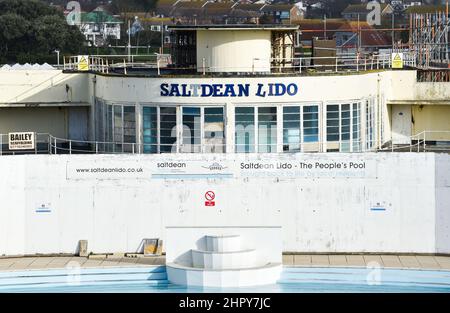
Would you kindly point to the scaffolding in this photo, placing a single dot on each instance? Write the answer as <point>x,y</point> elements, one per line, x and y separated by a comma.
<point>429,40</point>
<point>282,55</point>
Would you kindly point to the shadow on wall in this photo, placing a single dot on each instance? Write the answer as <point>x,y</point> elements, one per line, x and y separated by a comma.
<point>185,259</point>
<point>44,87</point>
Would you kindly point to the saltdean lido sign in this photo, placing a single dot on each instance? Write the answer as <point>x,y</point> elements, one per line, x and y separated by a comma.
<point>228,90</point>
<point>236,167</point>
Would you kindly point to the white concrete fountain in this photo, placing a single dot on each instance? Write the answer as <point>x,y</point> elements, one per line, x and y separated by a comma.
<point>224,260</point>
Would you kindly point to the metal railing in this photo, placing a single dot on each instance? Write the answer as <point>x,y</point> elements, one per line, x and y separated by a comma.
<point>431,141</point>
<point>106,63</point>
<point>425,141</point>
<point>342,63</point>
<point>156,62</point>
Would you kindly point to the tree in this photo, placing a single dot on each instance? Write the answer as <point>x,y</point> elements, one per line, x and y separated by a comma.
<point>13,28</point>
<point>30,31</point>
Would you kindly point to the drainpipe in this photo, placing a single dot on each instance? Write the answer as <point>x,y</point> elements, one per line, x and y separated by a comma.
<point>379,113</point>
<point>92,133</point>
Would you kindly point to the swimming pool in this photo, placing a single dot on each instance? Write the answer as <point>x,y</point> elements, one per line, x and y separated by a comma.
<point>153,279</point>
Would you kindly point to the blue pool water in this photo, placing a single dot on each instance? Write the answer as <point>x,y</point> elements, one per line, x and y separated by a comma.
<point>293,279</point>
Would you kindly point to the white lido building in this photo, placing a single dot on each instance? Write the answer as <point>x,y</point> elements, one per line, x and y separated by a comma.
<point>281,141</point>
<point>231,89</point>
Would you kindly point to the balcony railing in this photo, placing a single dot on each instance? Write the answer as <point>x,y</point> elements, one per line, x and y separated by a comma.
<point>158,64</point>
<point>426,141</point>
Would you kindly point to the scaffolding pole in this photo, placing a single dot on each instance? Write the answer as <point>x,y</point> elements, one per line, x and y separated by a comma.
<point>429,34</point>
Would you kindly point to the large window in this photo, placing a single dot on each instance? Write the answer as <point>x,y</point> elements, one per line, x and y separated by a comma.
<point>129,128</point>
<point>356,125</point>
<point>333,123</point>
<point>118,127</point>
<point>191,141</point>
<point>311,123</point>
<point>370,124</point>
<point>267,129</point>
<point>291,129</point>
<point>150,129</point>
<point>300,125</point>
<point>167,129</point>
<point>121,128</point>
<point>343,127</point>
<point>245,129</point>
<point>100,115</point>
<point>203,129</point>
<point>214,130</point>
<point>255,125</point>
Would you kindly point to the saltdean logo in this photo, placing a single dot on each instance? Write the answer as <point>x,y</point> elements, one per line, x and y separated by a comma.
<point>215,167</point>
<point>228,90</point>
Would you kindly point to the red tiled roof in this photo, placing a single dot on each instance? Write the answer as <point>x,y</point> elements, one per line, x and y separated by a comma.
<point>369,35</point>
<point>315,27</point>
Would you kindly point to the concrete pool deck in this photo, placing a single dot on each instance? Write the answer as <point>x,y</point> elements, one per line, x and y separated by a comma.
<point>301,260</point>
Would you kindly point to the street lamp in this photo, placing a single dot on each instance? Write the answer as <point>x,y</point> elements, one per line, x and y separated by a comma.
<point>57,55</point>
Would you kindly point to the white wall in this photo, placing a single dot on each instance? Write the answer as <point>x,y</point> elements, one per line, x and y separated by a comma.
<point>319,210</point>
<point>310,89</point>
<point>432,91</point>
<point>42,87</point>
<point>234,51</point>
<point>443,203</point>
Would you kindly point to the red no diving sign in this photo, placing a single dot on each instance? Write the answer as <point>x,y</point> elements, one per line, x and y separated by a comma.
<point>210,196</point>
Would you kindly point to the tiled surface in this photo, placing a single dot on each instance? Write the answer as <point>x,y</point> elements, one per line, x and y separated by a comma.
<point>443,262</point>
<point>304,260</point>
<point>355,260</point>
<point>409,261</point>
<point>337,260</point>
<point>386,261</point>
<point>390,261</point>
<point>30,263</point>
<point>320,260</point>
<point>287,259</point>
<point>373,261</point>
<point>428,262</point>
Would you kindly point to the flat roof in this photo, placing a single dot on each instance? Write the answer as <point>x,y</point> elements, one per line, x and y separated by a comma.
<point>234,27</point>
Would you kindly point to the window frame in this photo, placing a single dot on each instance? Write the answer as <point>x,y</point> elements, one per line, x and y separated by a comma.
<point>350,141</point>
<point>179,140</point>
<point>302,142</point>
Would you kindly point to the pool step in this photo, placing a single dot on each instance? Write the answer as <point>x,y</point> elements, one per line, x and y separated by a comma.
<point>155,275</point>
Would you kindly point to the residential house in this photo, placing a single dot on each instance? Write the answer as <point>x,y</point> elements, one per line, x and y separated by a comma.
<point>317,28</point>
<point>198,12</point>
<point>353,12</point>
<point>277,13</point>
<point>98,25</point>
<point>360,35</point>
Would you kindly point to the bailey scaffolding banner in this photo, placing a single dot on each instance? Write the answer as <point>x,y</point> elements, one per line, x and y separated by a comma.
<point>21,141</point>
<point>239,167</point>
